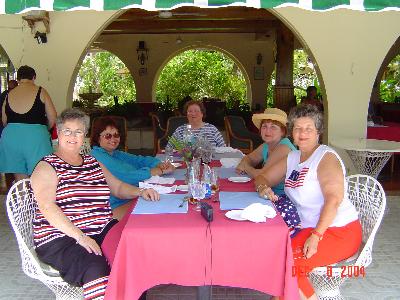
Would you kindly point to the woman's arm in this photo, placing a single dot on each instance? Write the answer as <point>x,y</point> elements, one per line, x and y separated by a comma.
<point>250,161</point>
<point>219,140</point>
<point>139,161</point>
<point>3,114</point>
<point>281,151</point>
<point>123,190</point>
<point>49,107</point>
<point>122,170</point>
<point>331,180</point>
<point>44,185</point>
<point>271,177</point>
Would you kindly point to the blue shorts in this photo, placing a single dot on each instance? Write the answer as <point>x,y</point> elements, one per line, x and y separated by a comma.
<point>22,146</point>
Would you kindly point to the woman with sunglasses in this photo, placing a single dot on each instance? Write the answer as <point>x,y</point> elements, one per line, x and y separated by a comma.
<point>74,214</point>
<point>105,139</point>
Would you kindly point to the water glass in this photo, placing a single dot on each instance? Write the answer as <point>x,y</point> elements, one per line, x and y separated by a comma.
<point>198,192</point>
<point>214,180</point>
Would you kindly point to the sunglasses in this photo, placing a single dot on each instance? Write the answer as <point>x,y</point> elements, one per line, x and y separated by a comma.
<point>108,136</point>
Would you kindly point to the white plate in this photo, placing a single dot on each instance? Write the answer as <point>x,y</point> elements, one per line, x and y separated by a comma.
<point>183,187</point>
<point>176,164</point>
<point>239,179</point>
<point>235,215</point>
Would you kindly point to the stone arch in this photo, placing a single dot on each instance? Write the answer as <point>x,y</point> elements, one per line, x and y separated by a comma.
<point>74,74</point>
<point>392,53</point>
<point>10,66</point>
<point>203,46</point>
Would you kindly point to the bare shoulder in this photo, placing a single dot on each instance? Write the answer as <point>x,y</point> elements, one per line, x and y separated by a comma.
<point>329,164</point>
<point>44,95</point>
<point>43,175</point>
<point>282,148</point>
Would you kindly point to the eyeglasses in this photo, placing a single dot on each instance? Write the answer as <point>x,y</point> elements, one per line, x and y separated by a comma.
<point>108,136</point>
<point>68,132</point>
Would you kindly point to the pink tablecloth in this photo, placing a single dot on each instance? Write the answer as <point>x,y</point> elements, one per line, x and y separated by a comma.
<point>180,249</point>
<point>391,132</point>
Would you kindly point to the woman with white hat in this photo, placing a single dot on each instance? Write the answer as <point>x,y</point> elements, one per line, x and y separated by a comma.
<point>272,126</point>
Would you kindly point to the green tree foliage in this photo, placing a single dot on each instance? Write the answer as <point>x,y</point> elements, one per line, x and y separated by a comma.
<point>390,83</point>
<point>198,74</point>
<point>99,73</point>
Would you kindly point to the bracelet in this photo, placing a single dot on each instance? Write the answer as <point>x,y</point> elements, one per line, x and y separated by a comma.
<point>78,240</point>
<point>319,235</point>
<point>141,192</point>
<point>260,186</point>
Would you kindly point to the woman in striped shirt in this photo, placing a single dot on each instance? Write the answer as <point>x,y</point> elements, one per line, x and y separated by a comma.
<point>195,112</point>
<point>74,215</point>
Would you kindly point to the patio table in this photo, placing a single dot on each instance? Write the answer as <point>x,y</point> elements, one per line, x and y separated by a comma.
<point>390,131</point>
<point>184,249</point>
<point>368,155</point>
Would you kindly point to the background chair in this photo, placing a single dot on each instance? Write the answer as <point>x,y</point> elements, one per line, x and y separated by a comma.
<point>172,124</point>
<point>21,207</point>
<point>368,196</point>
<point>239,136</point>
<point>158,132</point>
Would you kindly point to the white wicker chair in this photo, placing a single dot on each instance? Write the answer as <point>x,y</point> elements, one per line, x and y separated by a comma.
<point>85,149</point>
<point>368,196</point>
<point>21,207</point>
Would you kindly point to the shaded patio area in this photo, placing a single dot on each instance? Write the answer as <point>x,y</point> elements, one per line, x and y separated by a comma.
<point>382,279</point>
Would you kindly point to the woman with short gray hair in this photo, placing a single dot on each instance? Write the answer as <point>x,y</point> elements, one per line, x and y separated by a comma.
<point>74,216</point>
<point>73,114</point>
<point>314,179</point>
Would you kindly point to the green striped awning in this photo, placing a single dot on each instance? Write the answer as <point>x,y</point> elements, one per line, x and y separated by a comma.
<point>18,6</point>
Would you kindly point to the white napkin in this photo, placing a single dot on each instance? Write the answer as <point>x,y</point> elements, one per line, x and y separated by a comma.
<point>230,162</point>
<point>225,149</point>
<point>258,212</point>
<point>159,188</point>
<point>160,180</point>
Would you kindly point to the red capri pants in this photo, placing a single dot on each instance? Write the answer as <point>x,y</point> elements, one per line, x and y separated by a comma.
<point>337,244</point>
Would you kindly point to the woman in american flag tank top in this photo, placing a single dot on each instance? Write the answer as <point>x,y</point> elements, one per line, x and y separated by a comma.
<point>73,216</point>
<point>314,179</point>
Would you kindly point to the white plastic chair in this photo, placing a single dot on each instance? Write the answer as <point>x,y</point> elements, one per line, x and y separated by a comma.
<point>21,207</point>
<point>369,198</point>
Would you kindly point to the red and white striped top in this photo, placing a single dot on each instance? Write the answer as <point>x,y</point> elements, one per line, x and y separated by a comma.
<point>83,196</point>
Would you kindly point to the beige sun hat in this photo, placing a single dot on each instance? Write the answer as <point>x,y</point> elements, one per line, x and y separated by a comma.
<point>271,114</point>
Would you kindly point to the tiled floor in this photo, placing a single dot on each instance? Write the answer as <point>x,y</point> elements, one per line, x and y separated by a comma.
<point>381,283</point>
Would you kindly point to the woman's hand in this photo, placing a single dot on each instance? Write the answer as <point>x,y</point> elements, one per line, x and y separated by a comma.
<point>166,167</point>
<point>266,192</point>
<point>89,244</point>
<point>156,171</point>
<point>241,167</point>
<point>150,195</point>
<point>311,246</point>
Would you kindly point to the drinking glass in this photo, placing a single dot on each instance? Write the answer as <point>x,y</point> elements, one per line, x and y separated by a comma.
<point>214,184</point>
<point>198,192</point>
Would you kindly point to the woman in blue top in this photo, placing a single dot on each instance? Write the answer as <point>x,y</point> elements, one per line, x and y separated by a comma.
<point>272,126</point>
<point>105,139</point>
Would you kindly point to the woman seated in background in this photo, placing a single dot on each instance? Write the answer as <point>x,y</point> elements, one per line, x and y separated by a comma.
<point>105,139</point>
<point>315,181</point>
<point>73,217</point>
<point>272,127</point>
<point>311,98</point>
<point>195,112</point>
